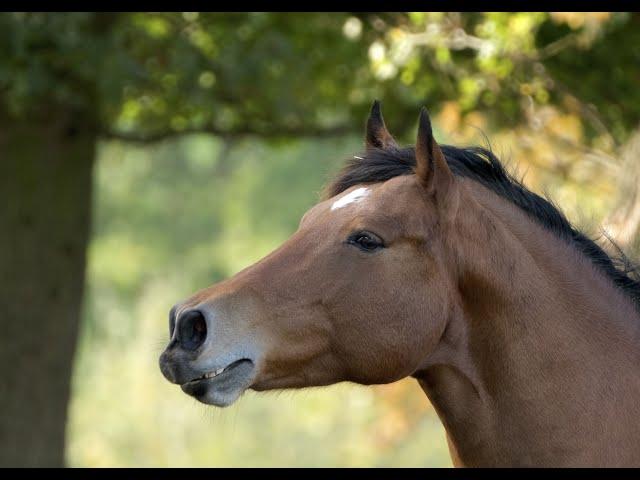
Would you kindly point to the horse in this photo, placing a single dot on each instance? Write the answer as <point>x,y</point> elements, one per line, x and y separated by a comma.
<point>433,262</point>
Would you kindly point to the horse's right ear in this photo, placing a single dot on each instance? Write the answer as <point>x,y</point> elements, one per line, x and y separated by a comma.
<point>377,135</point>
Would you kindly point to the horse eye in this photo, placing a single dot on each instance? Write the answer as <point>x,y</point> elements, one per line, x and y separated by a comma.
<point>365,241</point>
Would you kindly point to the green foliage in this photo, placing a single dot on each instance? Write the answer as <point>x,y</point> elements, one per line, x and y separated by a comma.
<point>148,75</point>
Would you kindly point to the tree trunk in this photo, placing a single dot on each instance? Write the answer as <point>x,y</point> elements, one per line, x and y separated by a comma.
<point>45,207</point>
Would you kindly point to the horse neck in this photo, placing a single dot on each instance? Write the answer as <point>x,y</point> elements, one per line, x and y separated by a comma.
<point>541,353</point>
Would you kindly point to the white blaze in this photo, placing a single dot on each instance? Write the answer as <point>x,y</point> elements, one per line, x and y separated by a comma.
<point>354,197</point>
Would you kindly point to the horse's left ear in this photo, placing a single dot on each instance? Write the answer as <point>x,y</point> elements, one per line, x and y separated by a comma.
<point>377,135</point>
<point>432,169</point>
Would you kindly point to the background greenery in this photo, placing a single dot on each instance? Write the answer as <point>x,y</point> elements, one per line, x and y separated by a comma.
<point>211,134</point>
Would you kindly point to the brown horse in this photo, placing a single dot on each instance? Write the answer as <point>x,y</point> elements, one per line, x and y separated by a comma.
<point>435,263</point>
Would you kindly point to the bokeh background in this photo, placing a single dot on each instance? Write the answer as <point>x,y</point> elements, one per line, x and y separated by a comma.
<point>148,155</point>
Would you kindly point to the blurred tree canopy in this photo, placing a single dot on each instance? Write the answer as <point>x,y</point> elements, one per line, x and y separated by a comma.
<point>147,75</point>
<point>68,80</point>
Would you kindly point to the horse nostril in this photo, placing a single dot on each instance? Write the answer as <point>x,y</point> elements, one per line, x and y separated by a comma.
<point>192,329</point>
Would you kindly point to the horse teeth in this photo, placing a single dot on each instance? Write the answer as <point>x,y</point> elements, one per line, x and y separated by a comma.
<point>213,374</point>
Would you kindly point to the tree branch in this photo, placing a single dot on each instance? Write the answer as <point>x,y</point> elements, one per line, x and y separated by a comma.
<point>308,132</point>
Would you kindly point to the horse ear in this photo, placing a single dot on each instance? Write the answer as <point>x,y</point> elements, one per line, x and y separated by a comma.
<point>432,169</point>
<point>377,135</point>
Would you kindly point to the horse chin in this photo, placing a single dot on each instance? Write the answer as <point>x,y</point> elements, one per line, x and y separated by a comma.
<point>224,389</point>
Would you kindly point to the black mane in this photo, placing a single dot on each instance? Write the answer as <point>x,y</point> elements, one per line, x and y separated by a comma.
<point>483,166</point>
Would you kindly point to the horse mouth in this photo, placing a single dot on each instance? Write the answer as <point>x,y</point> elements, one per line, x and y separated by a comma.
<point>223,386</point>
